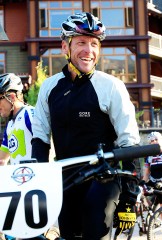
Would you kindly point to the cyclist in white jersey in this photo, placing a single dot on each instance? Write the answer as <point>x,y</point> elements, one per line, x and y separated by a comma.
<point>16,143</point>
<point>153,165</point>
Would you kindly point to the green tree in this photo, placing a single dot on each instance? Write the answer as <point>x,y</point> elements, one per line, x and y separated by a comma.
<point>31,96</point>
<point>138,115</point>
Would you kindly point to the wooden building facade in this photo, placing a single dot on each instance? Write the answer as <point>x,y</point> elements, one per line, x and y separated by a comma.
<point>33,29</point>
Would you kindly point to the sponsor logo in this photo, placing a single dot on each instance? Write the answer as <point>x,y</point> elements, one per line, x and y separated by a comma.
<point>22,175</point>
<point>84,114</point>
<point>13,143</point>
<point>127,216</point>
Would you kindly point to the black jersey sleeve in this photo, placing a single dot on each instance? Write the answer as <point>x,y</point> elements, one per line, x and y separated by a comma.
<point>40,150</point>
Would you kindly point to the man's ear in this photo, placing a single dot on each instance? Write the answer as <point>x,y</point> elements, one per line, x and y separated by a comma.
<point>65,47</point>
<point>12,96</point>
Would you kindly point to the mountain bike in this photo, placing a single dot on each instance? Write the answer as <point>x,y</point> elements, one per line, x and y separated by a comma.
<point>145,209</point>
<point>29,190</point>
<point>104,171</point>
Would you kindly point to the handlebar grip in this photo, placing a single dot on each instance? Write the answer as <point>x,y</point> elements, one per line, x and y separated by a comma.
<point>128,153</point>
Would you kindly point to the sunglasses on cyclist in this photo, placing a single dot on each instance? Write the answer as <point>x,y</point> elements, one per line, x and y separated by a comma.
<point>154,140</point>
<point>2,97</point>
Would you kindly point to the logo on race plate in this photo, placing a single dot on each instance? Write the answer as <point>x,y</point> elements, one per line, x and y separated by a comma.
<point>22,175</point>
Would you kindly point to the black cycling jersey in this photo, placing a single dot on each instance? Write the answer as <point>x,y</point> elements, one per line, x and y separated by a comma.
<point>77,122</point>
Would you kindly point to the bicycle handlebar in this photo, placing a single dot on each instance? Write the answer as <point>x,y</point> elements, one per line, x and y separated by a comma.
<point>136,152</point>
<point>118,154</point>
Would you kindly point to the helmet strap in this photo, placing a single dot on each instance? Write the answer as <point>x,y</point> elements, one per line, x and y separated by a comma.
<point>80,74</point>
<point>12,105</point>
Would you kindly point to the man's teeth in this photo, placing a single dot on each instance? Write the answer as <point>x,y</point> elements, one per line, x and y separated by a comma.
<point>86,59</point>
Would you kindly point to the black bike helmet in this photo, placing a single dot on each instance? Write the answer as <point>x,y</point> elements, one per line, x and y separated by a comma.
<point>10,82</point>
<point>83,24</point>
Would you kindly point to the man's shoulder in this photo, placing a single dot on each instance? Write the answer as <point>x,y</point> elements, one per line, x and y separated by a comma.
<point>27,111</point>
<point>50,83</point>
<point>28,107</point>
<point>100,77</point>
<point>106,76</point>
<point>54,78</point>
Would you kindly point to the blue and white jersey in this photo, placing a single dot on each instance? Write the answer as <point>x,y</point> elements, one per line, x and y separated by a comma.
<point>18,134</point>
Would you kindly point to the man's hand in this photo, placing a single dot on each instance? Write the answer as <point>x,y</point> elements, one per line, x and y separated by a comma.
<point>4,158</point>
<point>147,190</point>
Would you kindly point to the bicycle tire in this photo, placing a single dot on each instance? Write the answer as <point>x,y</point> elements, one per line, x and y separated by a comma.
<point>145,213</point>
<point>141,218</point>
<point>155,226</point>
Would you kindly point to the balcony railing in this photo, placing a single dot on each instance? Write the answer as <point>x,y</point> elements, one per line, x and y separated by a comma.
<point>151,118</point>
<point>155,44</point>
<point>155,48</point>
<point>156,91</point>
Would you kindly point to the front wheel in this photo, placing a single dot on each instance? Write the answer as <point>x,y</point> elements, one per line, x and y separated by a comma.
<point>155,226</point>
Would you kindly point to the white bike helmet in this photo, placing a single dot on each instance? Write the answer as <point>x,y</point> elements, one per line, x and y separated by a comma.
<point>154,136</point>
<point>10,82</point>
<point>83,24</point>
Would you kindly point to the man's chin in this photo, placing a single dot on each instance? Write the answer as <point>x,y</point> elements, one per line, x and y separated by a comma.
<point>86,71</point>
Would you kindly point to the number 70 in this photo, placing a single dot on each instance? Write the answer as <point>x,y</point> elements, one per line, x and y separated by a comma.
<point>28,208</point>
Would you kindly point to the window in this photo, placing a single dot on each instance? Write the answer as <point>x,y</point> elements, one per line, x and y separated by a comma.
<point>2,63</point>
<point>2,17</point>
<point>53,13</point>
<point>54,59</point>
<point>43,18</point>
<point>117,16</point>
<point>119,62</point>
<point>128,17</point>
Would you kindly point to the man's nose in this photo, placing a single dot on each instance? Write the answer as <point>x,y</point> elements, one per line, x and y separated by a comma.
<point>88,47</point>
